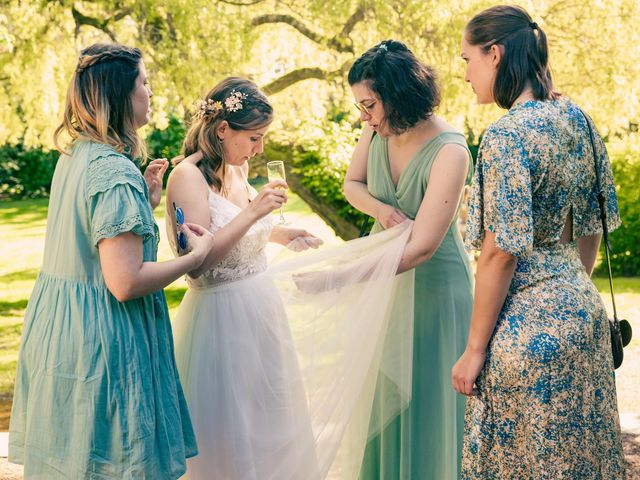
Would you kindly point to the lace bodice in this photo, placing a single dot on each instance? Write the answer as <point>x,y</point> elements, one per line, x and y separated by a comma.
<point>246,258</point>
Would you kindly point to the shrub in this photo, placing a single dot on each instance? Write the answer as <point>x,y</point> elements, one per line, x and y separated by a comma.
<point>166,143</point>
<point>26,172</point>
<point>322,159</point>
<point>625,241</point>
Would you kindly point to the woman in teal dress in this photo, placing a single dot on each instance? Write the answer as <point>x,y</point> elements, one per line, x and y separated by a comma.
<point>538,367</point>
<point>97,392</point>
<point>410,164</point>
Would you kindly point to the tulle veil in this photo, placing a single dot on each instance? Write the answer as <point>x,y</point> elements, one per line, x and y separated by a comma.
<point>351,321</point>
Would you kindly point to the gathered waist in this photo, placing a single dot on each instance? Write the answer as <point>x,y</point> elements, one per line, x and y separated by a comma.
<point>546,262</point>
<point>218,283</point>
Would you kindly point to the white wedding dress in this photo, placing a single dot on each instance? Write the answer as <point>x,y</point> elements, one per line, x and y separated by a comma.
<point>279,364</point>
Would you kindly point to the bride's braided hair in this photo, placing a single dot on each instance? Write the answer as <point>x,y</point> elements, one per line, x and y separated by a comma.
<point>98,105</point>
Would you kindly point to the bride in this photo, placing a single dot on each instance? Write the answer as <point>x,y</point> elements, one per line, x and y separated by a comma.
<point>278,364</point>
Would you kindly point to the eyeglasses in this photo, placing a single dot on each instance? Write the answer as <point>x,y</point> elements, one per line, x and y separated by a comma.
<point>365,108</point>
<point>181,237</point>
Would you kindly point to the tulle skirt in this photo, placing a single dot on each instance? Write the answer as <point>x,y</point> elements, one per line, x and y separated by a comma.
<point>239,367</point>
<point>279,369</point>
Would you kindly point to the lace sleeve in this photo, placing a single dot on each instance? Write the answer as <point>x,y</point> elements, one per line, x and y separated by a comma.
<point>117,198</point>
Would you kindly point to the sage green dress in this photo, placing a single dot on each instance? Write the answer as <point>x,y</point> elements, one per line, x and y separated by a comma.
<point>97,394</point>
<point>424,442</point>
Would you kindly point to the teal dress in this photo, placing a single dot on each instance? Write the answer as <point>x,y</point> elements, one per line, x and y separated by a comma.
<point>424,442</point>
<point>97,393</point>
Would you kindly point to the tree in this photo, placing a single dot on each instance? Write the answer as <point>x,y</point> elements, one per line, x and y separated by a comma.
<point>300,52</point>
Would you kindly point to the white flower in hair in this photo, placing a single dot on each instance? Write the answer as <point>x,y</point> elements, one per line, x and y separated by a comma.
<point>233,102</point>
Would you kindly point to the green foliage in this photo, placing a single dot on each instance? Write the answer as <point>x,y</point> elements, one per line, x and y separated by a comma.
<point>625,241</point>
<point>306,46</point>
<point>167,143</point>
<point>26,172</point>
<point>322,159</point>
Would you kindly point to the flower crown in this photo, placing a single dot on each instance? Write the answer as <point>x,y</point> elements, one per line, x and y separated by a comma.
<point>210,108</point>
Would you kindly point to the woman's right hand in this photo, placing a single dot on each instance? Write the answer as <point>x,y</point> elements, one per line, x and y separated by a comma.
<point>389,216</point>
<point>272,196</point>
<point>199,241</point>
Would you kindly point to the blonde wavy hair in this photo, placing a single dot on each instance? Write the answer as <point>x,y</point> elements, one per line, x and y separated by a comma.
<point>98,105</point>
<point>255,112</point>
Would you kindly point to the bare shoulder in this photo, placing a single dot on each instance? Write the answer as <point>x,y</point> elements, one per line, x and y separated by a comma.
<point>452,158</point>
<point>186,172</point>
<point>188,189</point>
<point>453,155</point>
<point>186,184</point>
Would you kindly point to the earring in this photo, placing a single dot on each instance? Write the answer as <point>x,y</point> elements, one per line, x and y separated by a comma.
<point>220,139</point>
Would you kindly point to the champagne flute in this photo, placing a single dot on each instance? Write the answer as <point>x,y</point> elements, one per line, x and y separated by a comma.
<point>275,171</point>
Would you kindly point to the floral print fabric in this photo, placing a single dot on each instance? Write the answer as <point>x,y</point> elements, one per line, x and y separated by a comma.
<point>547,402</point>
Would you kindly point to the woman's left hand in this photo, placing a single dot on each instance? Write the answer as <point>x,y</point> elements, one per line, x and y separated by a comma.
<point>295,239</point>
<point>466,370</point>
<point>153,175</point>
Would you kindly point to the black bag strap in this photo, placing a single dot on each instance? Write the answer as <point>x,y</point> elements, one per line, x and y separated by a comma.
<point>603,218</point>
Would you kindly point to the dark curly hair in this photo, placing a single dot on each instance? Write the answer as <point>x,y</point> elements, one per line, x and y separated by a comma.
<point>407,87</point>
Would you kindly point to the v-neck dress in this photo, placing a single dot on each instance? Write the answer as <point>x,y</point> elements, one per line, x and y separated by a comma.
<point>424,441</point>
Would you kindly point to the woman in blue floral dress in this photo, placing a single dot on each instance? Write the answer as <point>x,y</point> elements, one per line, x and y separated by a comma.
<point>538,368</point>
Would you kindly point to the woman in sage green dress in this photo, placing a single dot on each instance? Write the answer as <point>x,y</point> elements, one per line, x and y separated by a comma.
<point>410,164</point>
<point>97,392</point>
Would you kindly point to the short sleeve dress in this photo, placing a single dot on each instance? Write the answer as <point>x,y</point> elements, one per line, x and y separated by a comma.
<point>97,393</point>
<point>546,407</point>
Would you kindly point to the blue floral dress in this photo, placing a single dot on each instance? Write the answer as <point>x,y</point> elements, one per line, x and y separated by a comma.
<point>547,404</point>
<point>97,394</point>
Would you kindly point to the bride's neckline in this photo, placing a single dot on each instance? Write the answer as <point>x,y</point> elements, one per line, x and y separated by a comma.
<point>218,194</point>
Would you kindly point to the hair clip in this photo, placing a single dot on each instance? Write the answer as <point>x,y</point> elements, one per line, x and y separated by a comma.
<point>233,102</point>
<point>383,46</point>
<point>208,108</point>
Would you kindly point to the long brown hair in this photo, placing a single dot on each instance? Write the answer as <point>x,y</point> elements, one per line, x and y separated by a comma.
<point>98,103</point>
<point>218,106</point>
<point>526,55</point>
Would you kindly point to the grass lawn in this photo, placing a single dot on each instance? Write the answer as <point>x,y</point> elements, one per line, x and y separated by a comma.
<point>22,231</point>
<point>22,228</point>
